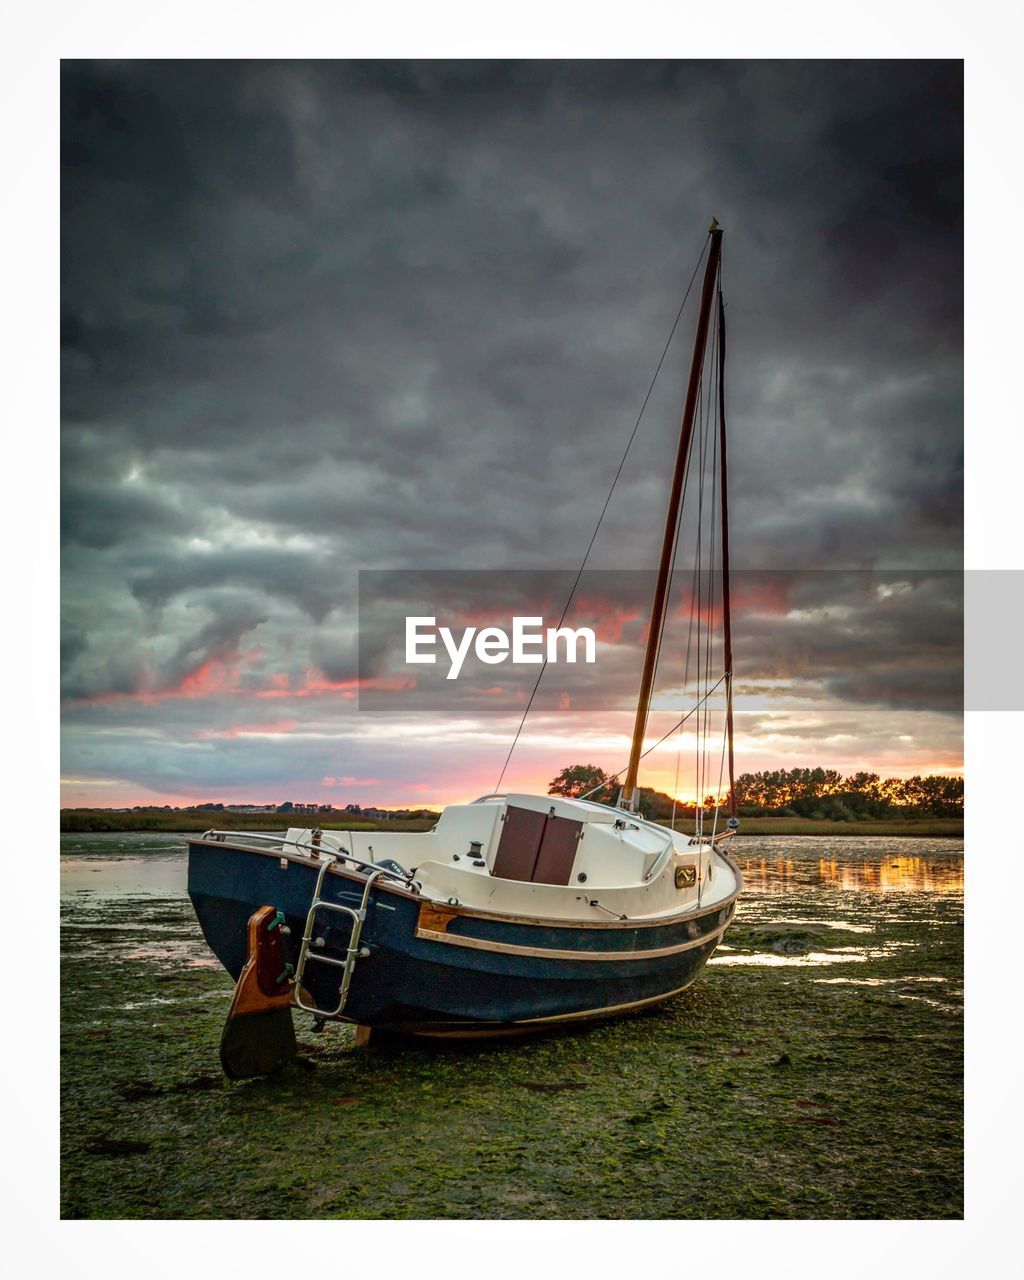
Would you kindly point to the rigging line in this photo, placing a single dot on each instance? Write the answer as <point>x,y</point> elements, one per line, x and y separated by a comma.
<point>694,585</point>
<point>712,532</point>
<point>604,509</point>
<point>686,669</point>
<point>713,436</point>
<point>686,674</point>
<point>671,731</point>
<point>675,791</point>
<point>686,659</point>
<point>700,609</point>
<point>683,721</point>
<point>699,540</point>
<point>672,571</point>
<point>682,498</point>
<point>675,551</point>
<point>718,805</point>
<point>700,594</point>
<point>718,793</point>
<point>705,716</point>
<point>671,578</point>
<point>727,661</point>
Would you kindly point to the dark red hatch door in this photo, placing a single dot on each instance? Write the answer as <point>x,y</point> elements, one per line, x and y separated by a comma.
<point>522,832</point>
<point>557,850</point>
<point>536,847</point>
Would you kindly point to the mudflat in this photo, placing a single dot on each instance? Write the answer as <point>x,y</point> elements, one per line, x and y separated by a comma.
<point>813,1071</point>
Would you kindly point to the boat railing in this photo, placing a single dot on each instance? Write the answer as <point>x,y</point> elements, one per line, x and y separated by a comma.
<point>633,817</point>
<point>309,849</point>
<point>591,804</point>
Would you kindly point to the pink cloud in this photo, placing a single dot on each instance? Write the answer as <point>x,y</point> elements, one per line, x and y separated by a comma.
<point>212,677</point>
<point>316,685</point>
<point>218,676</point>
<point>607,619</point>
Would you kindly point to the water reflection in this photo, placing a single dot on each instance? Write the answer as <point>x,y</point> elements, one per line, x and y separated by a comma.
<point>724,955</point>
<point>126,896</point>
<point>913,875</point>
<point>804,896</point>
<point>859,868</point>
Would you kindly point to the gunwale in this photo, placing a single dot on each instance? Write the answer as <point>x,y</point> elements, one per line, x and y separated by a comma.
<point>479,913</point>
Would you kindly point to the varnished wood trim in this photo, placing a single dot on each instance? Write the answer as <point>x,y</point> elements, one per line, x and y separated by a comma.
<point>434,918</point>
<point>552,953</point>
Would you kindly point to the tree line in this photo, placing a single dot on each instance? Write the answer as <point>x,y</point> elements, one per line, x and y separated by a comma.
<point>826,793</point>
<point>794,793</point>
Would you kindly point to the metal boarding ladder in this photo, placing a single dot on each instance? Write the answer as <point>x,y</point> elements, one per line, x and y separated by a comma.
<point>353,953</point>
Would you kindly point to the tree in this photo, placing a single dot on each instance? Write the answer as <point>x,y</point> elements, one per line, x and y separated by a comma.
<point>824,793</point>
<point>577,779</point>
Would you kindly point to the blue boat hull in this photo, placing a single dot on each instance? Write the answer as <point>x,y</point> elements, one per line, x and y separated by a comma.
<point>471,974</point>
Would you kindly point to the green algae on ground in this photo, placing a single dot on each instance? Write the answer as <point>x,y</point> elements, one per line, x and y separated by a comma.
<point>790,1088</point>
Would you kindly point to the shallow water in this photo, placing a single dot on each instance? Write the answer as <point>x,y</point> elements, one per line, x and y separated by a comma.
<point>125,897</point>
<point>148,863</point>
<point>129,864</point>
<point>124,892</point>
<point>836,865</point>
<point>841,885</point>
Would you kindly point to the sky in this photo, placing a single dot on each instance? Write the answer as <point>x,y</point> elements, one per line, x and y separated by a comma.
<point>322,320</point>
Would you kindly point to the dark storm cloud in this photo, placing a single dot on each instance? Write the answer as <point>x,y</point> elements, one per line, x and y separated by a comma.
<point>892,640</point>
<point>329,316</point>
<point>97,516</point>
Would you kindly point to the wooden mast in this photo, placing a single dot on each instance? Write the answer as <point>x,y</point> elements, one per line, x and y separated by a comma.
<point>628,794</point>
<point>726,597</point>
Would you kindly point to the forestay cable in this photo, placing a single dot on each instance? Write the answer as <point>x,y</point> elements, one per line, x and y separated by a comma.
<point>604,509</point>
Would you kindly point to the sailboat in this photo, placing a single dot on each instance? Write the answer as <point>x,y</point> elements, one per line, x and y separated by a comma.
<point>516,913</point>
